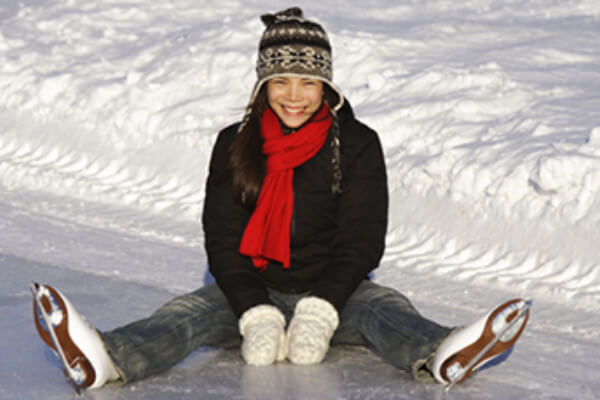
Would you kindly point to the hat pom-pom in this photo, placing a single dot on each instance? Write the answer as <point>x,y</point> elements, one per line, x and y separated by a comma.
<point>268,19</point>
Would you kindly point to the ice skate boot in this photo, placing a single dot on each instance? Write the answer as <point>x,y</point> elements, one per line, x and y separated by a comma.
<point>77,344</point>
<point>483,343</point>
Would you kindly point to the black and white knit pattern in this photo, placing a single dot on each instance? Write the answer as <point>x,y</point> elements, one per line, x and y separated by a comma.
<point>292,44</point>
<point>292,58</point>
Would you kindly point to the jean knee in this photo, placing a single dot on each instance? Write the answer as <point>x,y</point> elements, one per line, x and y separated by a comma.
<point>383,296</point>
<point>200,300</point>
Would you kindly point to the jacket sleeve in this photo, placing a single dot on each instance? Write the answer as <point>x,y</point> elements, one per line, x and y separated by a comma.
<point>224,221</point>
<point>362,219</point>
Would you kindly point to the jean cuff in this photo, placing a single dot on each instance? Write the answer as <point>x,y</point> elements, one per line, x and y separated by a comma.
<point>422,369</point>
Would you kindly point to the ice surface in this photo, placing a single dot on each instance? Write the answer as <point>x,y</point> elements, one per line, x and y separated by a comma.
<point>557,357</point>
<point>489,114</point>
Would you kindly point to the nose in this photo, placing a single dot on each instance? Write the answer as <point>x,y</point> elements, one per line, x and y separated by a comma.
<point>294,91</point>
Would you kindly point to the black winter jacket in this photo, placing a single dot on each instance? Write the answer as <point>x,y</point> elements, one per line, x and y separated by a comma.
<point>336,240</point>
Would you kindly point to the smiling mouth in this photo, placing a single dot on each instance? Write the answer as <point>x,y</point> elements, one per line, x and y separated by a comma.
<point>293,110</point>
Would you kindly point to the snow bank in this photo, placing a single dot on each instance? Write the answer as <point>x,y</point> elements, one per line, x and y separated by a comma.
<point>489,115</point>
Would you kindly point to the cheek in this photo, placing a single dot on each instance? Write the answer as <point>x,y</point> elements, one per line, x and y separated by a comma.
<point>270,96</point>
<point>316,98</point>
<point>318,93</point>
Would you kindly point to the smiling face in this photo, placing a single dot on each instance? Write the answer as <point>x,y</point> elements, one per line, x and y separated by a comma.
<point>294,99</point>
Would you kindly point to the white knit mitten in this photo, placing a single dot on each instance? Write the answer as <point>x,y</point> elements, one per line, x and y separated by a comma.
<point>314,322</point>
<point>262,327</point>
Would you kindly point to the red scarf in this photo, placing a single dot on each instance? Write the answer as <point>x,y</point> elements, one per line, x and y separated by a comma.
<point>267,235</point>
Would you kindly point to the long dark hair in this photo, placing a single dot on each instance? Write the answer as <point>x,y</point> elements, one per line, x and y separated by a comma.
<point>246,160</point>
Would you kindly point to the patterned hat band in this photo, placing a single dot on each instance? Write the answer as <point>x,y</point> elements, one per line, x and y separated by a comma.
<point>296,59</point>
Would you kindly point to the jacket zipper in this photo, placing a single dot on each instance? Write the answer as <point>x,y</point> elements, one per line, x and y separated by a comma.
<point>293,223</point>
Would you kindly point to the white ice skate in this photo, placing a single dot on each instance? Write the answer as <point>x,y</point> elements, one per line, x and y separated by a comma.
<point>483,343</point>
<point>77,344</point>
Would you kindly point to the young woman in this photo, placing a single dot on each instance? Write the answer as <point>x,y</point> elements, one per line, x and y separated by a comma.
<point>295,218</point>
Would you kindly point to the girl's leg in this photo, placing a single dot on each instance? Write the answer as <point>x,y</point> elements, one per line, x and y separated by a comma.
<point>171,333</point>
<point>385,321</point>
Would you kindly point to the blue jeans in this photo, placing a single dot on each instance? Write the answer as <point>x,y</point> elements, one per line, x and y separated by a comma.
<point>377,317</point>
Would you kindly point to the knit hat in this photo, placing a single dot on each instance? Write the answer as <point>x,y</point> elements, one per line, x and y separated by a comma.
<point>294,46</point>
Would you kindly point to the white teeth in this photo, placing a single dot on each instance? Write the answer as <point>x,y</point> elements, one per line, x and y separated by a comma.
<point>293,110</point>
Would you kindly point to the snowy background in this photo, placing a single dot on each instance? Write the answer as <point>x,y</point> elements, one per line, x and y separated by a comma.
<point>489,113</point>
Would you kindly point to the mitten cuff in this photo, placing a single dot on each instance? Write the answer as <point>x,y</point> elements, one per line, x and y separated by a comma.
<point>319,308</point>
<point>262,312</point>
